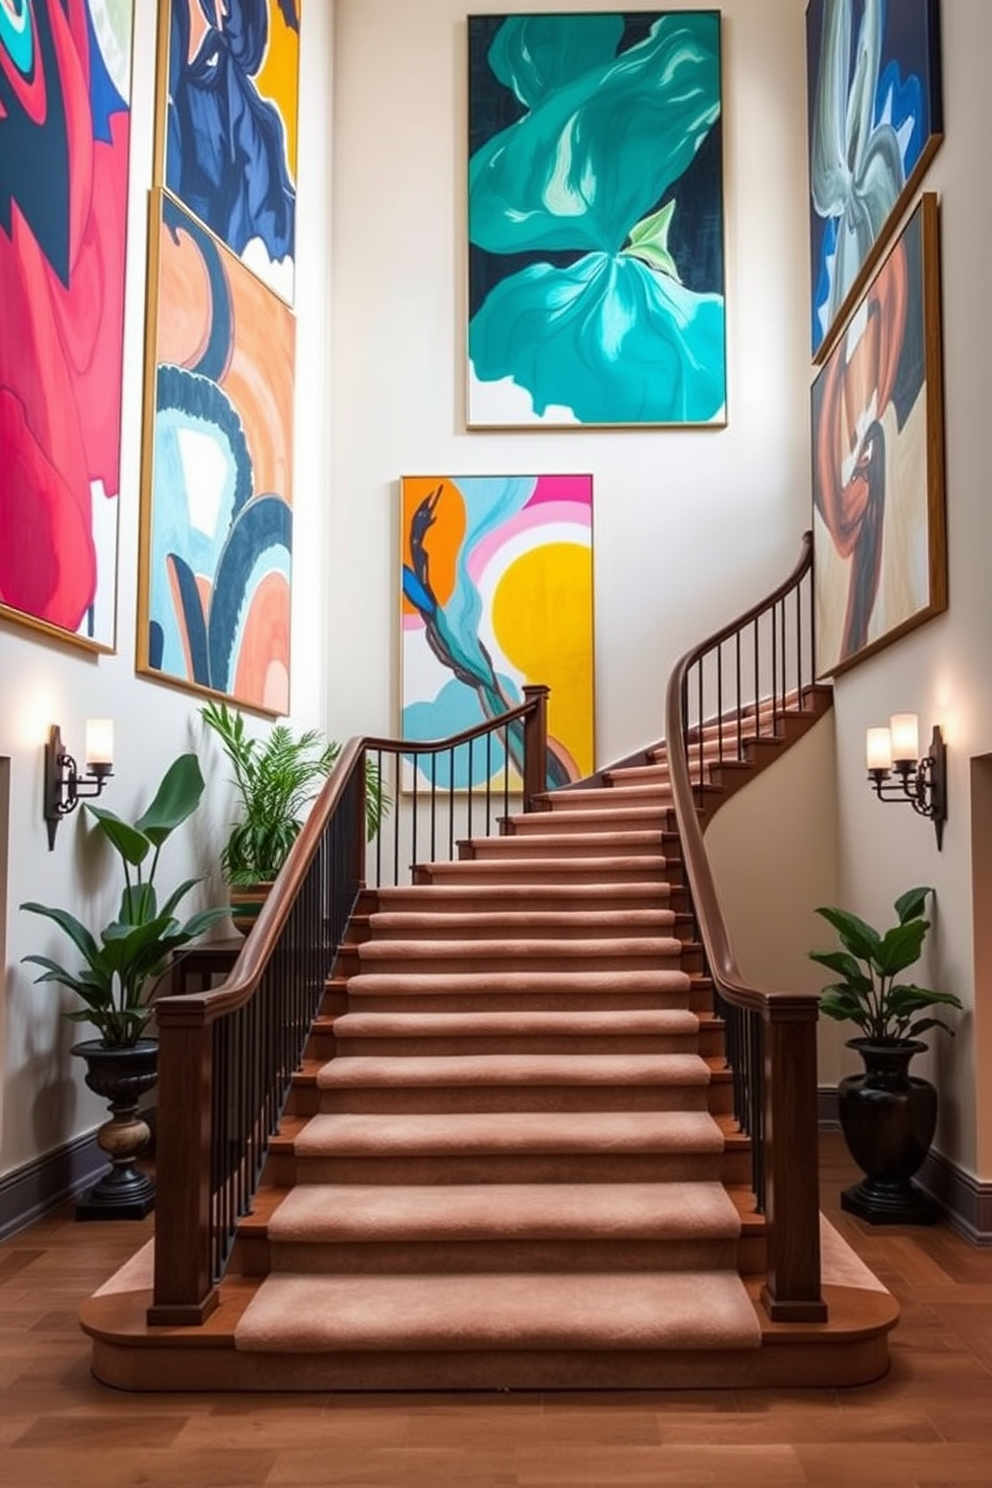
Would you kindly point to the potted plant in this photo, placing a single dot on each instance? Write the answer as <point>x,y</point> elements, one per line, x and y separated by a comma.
<point>275,779</point>
<point>887,1115</point>
<point>121,965</point>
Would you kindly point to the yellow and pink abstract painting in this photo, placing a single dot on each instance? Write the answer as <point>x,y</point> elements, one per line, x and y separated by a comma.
<point>497,594</point>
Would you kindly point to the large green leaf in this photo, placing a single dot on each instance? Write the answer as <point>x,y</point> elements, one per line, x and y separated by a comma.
<point>846,965</point>
<point>132,844</point>
<point>75,929</point>
<point>855,933</point>
<point>909,906</point>
<point>176,798</point>
<point>900,947</point>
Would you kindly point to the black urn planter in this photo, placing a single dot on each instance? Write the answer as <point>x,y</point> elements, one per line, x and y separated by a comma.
<point>121,1076</point>
<point>888,1118</point>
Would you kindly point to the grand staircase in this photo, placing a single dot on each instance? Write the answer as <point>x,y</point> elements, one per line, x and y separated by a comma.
<point>509,1158</point>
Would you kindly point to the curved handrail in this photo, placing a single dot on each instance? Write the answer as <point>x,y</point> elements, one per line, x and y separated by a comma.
<point>712,926</point>
<point>771,1034</point>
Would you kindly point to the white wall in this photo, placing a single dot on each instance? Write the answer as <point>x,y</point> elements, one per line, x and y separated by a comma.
<point>44,681</point>
<point>690,526</point>
<point>941,670</point>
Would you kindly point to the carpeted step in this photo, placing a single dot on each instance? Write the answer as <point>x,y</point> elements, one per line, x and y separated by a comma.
<point>472,924</point>
<point>521,990</point>
<point>649,797</point>
<point>516,1082</point>
<point>405,1034</point>
<point>501,1226</point>
<point>518,1314</point>
<point>609,818</point>
<point>550,954</point>
<point>473,896</point>
<point>563,845</point>
<point>505,1147</point>
<point>608,868</point>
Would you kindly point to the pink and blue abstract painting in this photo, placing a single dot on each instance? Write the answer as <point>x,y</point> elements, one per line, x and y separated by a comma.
<point>595,220</point>
<point>497,594</point>
<point>65,124</point>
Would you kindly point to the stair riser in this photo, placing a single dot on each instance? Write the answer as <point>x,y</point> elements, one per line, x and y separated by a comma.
<point>565,845</point>
<point>577,871</point>
<point>435,1257</point>
<point>581,927</point>
<point>536,898</point>
<point>636,797</point>
<point>581,1045</point>
<point>572,1167</point>
<point>565,823</point>
<point>494,1001</point>
<point>439,1099</point>
<point>531,959</point>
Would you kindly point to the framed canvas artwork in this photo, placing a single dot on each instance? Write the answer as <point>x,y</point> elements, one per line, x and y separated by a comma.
<point>226,136</point>
<point>217,519</point>
<point>880,562</point>
<point>496,593</point>
<point>875,119</point>
<point>595,252</point>
<point>65,83</point>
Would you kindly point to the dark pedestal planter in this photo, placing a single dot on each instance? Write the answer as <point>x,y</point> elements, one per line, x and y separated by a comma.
<point>121,1076</point>
<point>888,1118</point>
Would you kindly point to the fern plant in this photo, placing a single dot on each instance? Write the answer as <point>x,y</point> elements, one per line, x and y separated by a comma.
<point>276,779</point>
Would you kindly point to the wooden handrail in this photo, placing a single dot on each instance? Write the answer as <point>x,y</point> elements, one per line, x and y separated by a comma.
<point>191,1057</point>
<point>792,1291</point>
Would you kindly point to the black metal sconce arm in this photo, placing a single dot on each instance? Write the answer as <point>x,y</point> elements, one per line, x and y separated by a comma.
<point>64,785</point>
<point>923,785</point>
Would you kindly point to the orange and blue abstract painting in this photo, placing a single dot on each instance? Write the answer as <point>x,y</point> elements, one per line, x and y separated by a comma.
<point>497,593</point>
<point>595,220</point>
<point>218,520</point>
<point>231,94</point>
<point>65,79</point>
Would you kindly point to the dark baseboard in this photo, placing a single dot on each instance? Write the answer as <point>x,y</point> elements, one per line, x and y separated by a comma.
<point>31,1192</point>
<point>965,1201</point>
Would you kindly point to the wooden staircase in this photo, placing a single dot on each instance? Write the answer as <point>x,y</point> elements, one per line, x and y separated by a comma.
<point>509,1158</point>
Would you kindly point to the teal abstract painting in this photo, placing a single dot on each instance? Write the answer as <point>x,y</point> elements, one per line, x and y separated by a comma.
<point>595,220</point>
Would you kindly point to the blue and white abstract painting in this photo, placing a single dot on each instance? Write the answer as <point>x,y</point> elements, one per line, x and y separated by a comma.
<point>875,120</point>
<point>595,220</point>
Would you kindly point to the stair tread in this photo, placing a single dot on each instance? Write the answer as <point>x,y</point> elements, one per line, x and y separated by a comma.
<point>430,919</point>
<point>691,1310</point>
<point>523,981</point>
<point>330,1213</point>
<point>483,1132</point>
<point>456,893</point>
<point>519,1069</point>
<point>431,1025</point>
<point>393,950</point>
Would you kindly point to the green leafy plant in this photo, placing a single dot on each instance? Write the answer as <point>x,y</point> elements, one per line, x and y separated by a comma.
<point>124,960</point>
<point>870,994</point>
<point>276,779</point>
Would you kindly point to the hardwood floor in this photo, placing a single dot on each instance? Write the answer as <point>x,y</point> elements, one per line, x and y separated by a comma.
<point>928,1424</point>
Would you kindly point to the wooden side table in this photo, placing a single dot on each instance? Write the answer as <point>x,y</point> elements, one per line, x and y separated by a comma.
<point>194,967</point>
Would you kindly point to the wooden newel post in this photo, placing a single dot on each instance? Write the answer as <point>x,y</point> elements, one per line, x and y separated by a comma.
<point>535,744</point>
<point>792,1292</point>
<point>184,1290</point>
<point>360,834</point>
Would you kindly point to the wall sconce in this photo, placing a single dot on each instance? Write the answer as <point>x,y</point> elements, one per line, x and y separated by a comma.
<point>894,751</point>
<point>64,786</point>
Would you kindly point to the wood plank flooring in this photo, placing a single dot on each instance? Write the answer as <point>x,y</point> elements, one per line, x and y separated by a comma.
<point>928,1424</point>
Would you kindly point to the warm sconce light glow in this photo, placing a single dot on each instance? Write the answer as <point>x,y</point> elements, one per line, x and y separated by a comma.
<point>879,749</point>
<point>99,742</point>
<point>64,786</point>
<point>904,729</point>
<point>920,782</point>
